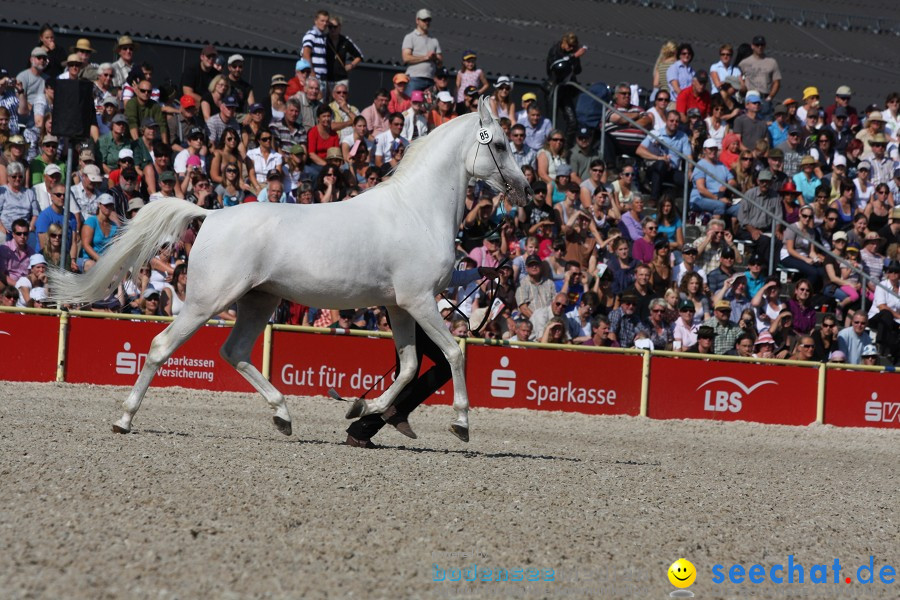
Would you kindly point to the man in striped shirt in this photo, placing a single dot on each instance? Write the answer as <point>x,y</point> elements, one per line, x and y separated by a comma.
<point>313,48</point>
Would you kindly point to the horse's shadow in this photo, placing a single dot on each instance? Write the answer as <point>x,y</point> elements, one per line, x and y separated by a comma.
<point>401,448</point>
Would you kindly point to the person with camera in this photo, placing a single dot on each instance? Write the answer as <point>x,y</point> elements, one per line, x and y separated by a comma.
<point>710,177</point>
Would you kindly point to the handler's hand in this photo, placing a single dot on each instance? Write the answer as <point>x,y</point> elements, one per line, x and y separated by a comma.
<point>489,272</point>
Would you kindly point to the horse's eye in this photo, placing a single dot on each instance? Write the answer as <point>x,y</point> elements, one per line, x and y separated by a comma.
<point>500,146</point>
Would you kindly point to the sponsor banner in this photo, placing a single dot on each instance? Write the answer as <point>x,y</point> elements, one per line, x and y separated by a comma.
<point>862,399</point>
<point>308,364</point>
<point>30,346</point>
<point>585,382</point>
<point>113,352</point>
<point>730,391</point>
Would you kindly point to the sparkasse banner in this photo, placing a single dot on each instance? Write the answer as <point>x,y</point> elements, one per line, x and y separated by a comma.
<point>860,399</point>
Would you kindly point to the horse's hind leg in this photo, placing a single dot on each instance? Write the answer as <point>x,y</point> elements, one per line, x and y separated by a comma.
<point>164,344</point>
<point>253,312</point>
<point>404,331</point>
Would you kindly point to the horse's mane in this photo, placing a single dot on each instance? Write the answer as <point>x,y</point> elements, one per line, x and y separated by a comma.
<point>418,149</point>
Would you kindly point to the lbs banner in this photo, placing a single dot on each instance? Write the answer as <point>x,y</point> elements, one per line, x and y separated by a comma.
<point>110,352</point>
<point>860,399</point>
<point>586,382</point>
<point>727,391</point>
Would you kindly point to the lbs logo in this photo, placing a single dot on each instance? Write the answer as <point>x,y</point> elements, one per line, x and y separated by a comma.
<point>882,412</point>
<point>724,397</point>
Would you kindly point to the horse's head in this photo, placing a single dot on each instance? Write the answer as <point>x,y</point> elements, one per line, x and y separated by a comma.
<point>490,159</point>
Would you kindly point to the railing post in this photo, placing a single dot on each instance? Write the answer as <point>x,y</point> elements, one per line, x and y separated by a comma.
<point>645,383</point>
<point>685,193</point>
<point>603,132</point>
<point>61,347</point>
<point>553,98</point>
<point>772,249</point>
<point>267,352</point>
<point>820,397</point>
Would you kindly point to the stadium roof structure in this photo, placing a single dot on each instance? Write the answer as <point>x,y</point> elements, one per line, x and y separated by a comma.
<point>816,42</point>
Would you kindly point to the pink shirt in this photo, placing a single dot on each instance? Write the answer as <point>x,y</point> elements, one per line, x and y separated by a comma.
<point>374,121</point>
<point>13,261</point>
<point>482,258</point>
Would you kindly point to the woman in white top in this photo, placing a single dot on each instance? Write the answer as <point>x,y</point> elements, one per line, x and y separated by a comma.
<point>715,126</point>
<point>767,304</point>
<point>722,69</point>
<point>658,110</point>
<point>551,156</point>
<point>864,187</point>
<point>173,294</point>
<point>501,100</point>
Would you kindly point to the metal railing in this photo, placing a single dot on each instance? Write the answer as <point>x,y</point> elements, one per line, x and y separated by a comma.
<point>688,160</point>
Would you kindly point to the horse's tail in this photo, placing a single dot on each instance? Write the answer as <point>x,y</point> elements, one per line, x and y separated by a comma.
<point>136,243</point>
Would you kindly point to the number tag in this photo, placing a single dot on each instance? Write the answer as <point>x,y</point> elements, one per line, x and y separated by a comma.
<point>485,136</point>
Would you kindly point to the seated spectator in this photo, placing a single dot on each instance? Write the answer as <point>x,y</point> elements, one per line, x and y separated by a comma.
<point>688,265</point>
<point>149,305</point>
<point>445,110</point>
<point>691,289</point>
<point>524,330</point>
<point>852,340</point>
<point>804,349</point>
<point>625,190</point>
<point>54,214</point>
<point>669,223</point>
<point>870,355</point>
<point>717,278</point>
<point>36,277</point>
<point>711,246</point>
<point>97,233</point>
<point>764,346</point>
<point>695,96</point>
<point>543,317</point>
<point>884,314</point>
<point>600,333</point>
<point>734,291</point>
<point>799,253</point>
<point>643,248</point>
<point>399,100</point>
<point>706,339</point>
<point>725,329</point>
<point>630,225</point>
<point>709,179</point>
<point>806,180</point>
<point>625,323</point>
<point>660,332</point>
<point>825,339</point>
<point>743,346</point>
<point>384,142</point>
<point>684,332</point>
<point>536,291</point>
<point>801,307</point>
<point>322,137</point>
<point>665,154</point>
<point>537,128</point>
<point>767,304</point>
<point>15,253</point>
<point>53,251</point>
<point>556,331</point>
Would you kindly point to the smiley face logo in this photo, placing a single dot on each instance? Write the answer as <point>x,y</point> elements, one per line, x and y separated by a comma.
<point>682,573</point>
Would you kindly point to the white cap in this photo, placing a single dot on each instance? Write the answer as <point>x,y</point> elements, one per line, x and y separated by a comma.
<point>444,304</point>
<point>839,161</point>
<point>39,294</point>
<point>36,259</point>
<point>710,143</point>
<point>444,96</point>
<point>870,350</point>
<point>106,199</point>
<point>504,80</point>
<point>125,153</point>
<point>423,14</point>
<point>235,58</point>
<point>92,172</point>
<point>52,170</point>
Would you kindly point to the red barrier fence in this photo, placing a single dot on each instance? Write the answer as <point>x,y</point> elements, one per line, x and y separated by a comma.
<point>661,386</point>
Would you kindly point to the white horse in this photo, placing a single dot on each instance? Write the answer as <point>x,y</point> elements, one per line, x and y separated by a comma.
<point>392,246</point>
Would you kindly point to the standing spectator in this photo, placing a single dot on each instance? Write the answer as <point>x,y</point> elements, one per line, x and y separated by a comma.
<point>196,78</point>
<point>34,80</point>
<point>469,75</point>
<point>56,56</point>
<point>666,59</point>
<point>277,96</point>
<point>313,46</point>
<point>761,73</point>
<point>142,107</point>
<point>563,66</point>
<point>719,71</point>
<point>14,253</point>
<point>240,89</point>
<point>341,54</point>
<point>751,126</point>
<point>852,340</point>
<point>421,53</point>
<point>681,72</point>
<point>125,48</point>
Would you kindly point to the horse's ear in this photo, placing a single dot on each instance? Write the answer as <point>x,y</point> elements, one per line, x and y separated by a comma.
<point>484,111</point>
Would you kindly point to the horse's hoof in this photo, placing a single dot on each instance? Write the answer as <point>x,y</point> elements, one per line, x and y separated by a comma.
<point>118,429</point>
<point>357,409</point>
<point>460,432</point>
<point>282,425</point>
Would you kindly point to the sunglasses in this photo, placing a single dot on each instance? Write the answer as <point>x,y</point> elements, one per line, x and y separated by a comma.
<point>556,139</point>
<point>20,233</point>
<point>596,170</point>
<point>58,194</point>
<point>660,99</point>
<point>627,174</point>
<point>265,138</point>
<point>55,236</point>
<point>144,90</point>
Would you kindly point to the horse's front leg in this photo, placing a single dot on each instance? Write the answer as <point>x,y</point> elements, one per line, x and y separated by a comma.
<point>403,327</point>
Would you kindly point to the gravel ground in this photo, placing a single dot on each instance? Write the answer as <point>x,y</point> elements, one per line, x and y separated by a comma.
<point>207,500</point>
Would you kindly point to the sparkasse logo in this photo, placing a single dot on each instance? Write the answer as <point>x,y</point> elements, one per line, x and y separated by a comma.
<point>882,412</point>
<point>503,380</point>
<point>724,397</point>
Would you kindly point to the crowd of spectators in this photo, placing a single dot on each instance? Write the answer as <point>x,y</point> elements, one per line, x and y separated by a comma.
<point>600,257</point>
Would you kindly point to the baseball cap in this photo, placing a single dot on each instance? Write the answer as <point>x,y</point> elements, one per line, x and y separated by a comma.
<point>533,259</point>
<point>776,153</point>
<point>442,72</point>
<point>135,204</point>
<point>106,199</point>
<point>584,132</point>
<point>563,169</point>
<point>529,96</point>
<point>840,111</point>
<point>843,90</point>
<point>334,152</point>
<point>423,14</point>
<point>793,129</point>
<point>92,172</point>
<point>231,101</point>
<point>302,65</point>
<point>764,175</point>
<point>733,81</point>
<point>688,249</point>
<point>444,304</point>
<point>765,338</point>
<point>706,332</point>
<point>168,176</point>
<point>235,58</point>
<point>401,78</point>
<point>710,143</point>
<point>126,153</point>
<point>39,51</point>
<point>119,118</point>
<point>195,131</point>
<point>49,139</point>
<point>150,292</point>
<point>298,149</point>
<point>753,96</point>
<point>39,294</point>
<point>52,170</point>
<point>694,112</point>
<point>188,101</point>
<point>86,156</point>
<point>870,350</point>
<point>723,305</point>
<point>756,259</point>
<point>36,259</point>
<point>444,96</point>
<point>839,235</point>
<point>780,109</point>
<point>504,80</point>
<point>727,252</point>
<point>256,106</point>
<point>469,54</point>
<point>149,122</point>
<point>864,164</point>
<point>417,96</point>
<point>686,305</point>
<point>759,40</point>
<point>471,91</point>
<point>209,50</point>
<point>110,99</point>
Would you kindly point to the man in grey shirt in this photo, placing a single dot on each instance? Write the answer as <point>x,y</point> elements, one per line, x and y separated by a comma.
<point>756,223</point>
<point>421,54</point>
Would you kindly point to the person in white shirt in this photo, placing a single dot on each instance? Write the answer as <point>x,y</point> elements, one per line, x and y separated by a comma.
<point>415,124</point>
